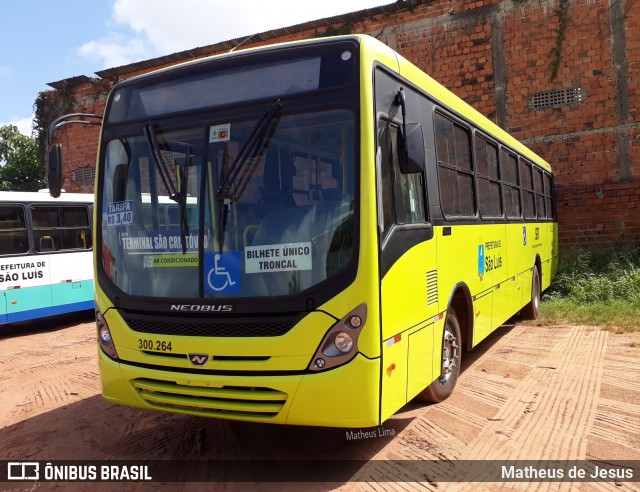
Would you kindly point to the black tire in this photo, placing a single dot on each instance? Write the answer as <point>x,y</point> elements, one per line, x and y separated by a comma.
<point>442,387</point>
<point>532,310</point>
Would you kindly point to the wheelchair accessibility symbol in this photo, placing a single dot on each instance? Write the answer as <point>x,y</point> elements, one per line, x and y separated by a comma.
<point>222,272</point>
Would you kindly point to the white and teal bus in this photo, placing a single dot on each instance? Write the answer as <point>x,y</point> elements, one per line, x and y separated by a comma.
<point>46,265</point>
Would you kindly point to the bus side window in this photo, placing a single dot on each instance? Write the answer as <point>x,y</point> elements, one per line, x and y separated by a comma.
<point>509,168</point>
<point>455,168</point>
<point>13,231</point>
<point>75,233</point>
<point>526,184</point>
<point>548,196</point>
<point>488,178</point>
<point>538,188</point>
<point>402,197</point>
<point>386,179</point>
<point>57,228</point>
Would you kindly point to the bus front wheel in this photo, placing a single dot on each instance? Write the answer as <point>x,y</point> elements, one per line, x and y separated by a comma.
<point>442,387</point>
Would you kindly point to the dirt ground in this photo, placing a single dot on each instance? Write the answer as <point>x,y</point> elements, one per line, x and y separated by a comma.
<point>526,393</point>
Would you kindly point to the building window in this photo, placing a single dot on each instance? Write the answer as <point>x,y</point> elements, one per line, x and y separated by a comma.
<point>83,175</point>
<point>571,96</point>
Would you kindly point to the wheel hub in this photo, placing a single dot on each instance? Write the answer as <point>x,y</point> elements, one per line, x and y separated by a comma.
<point>449,355</point>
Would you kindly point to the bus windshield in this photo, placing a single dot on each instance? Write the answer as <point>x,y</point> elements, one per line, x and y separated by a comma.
<point>284,223</point>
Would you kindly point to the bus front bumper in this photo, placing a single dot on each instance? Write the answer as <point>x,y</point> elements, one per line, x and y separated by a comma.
<point>347,396</point>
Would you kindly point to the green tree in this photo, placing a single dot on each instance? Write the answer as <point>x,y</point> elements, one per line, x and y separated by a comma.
<point>21,168</point>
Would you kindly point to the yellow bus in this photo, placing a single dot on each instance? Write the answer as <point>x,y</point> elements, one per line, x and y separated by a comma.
<point>345,227</point>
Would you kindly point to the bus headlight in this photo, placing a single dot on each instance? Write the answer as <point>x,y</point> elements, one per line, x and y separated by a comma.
<point>340,343</point>
<point>343,342</point>
<point>104,336</point>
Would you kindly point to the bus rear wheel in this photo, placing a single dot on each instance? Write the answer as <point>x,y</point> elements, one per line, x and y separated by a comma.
<point>442,387</point>
<point>532,310</point>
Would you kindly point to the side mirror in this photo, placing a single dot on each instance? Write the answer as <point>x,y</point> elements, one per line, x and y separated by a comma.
<point>411,148</point>
<point>54,158</point>
<point>54,170</point>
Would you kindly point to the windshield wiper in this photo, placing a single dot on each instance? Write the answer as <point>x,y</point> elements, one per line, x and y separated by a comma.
<point>182,192</point>
<point>248,150</point>
<point>160,163</point>
<point>177,195</point>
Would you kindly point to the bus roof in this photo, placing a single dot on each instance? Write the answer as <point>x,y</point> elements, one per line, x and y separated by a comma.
<point>43,196</point>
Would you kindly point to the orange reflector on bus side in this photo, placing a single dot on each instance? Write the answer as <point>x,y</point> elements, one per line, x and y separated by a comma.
<point>393,340</point>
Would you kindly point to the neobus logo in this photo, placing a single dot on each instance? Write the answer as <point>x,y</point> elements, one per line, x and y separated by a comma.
<point>204,308</point>
<point>198,359</point>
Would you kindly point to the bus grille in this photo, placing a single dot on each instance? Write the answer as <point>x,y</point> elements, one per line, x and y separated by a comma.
<point>226,402</point>
<point>207,327</point>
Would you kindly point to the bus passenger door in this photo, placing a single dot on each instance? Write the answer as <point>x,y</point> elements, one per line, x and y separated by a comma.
<point>407,266</point>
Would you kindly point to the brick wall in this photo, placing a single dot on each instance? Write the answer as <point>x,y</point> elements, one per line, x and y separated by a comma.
<point>495,55</point>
